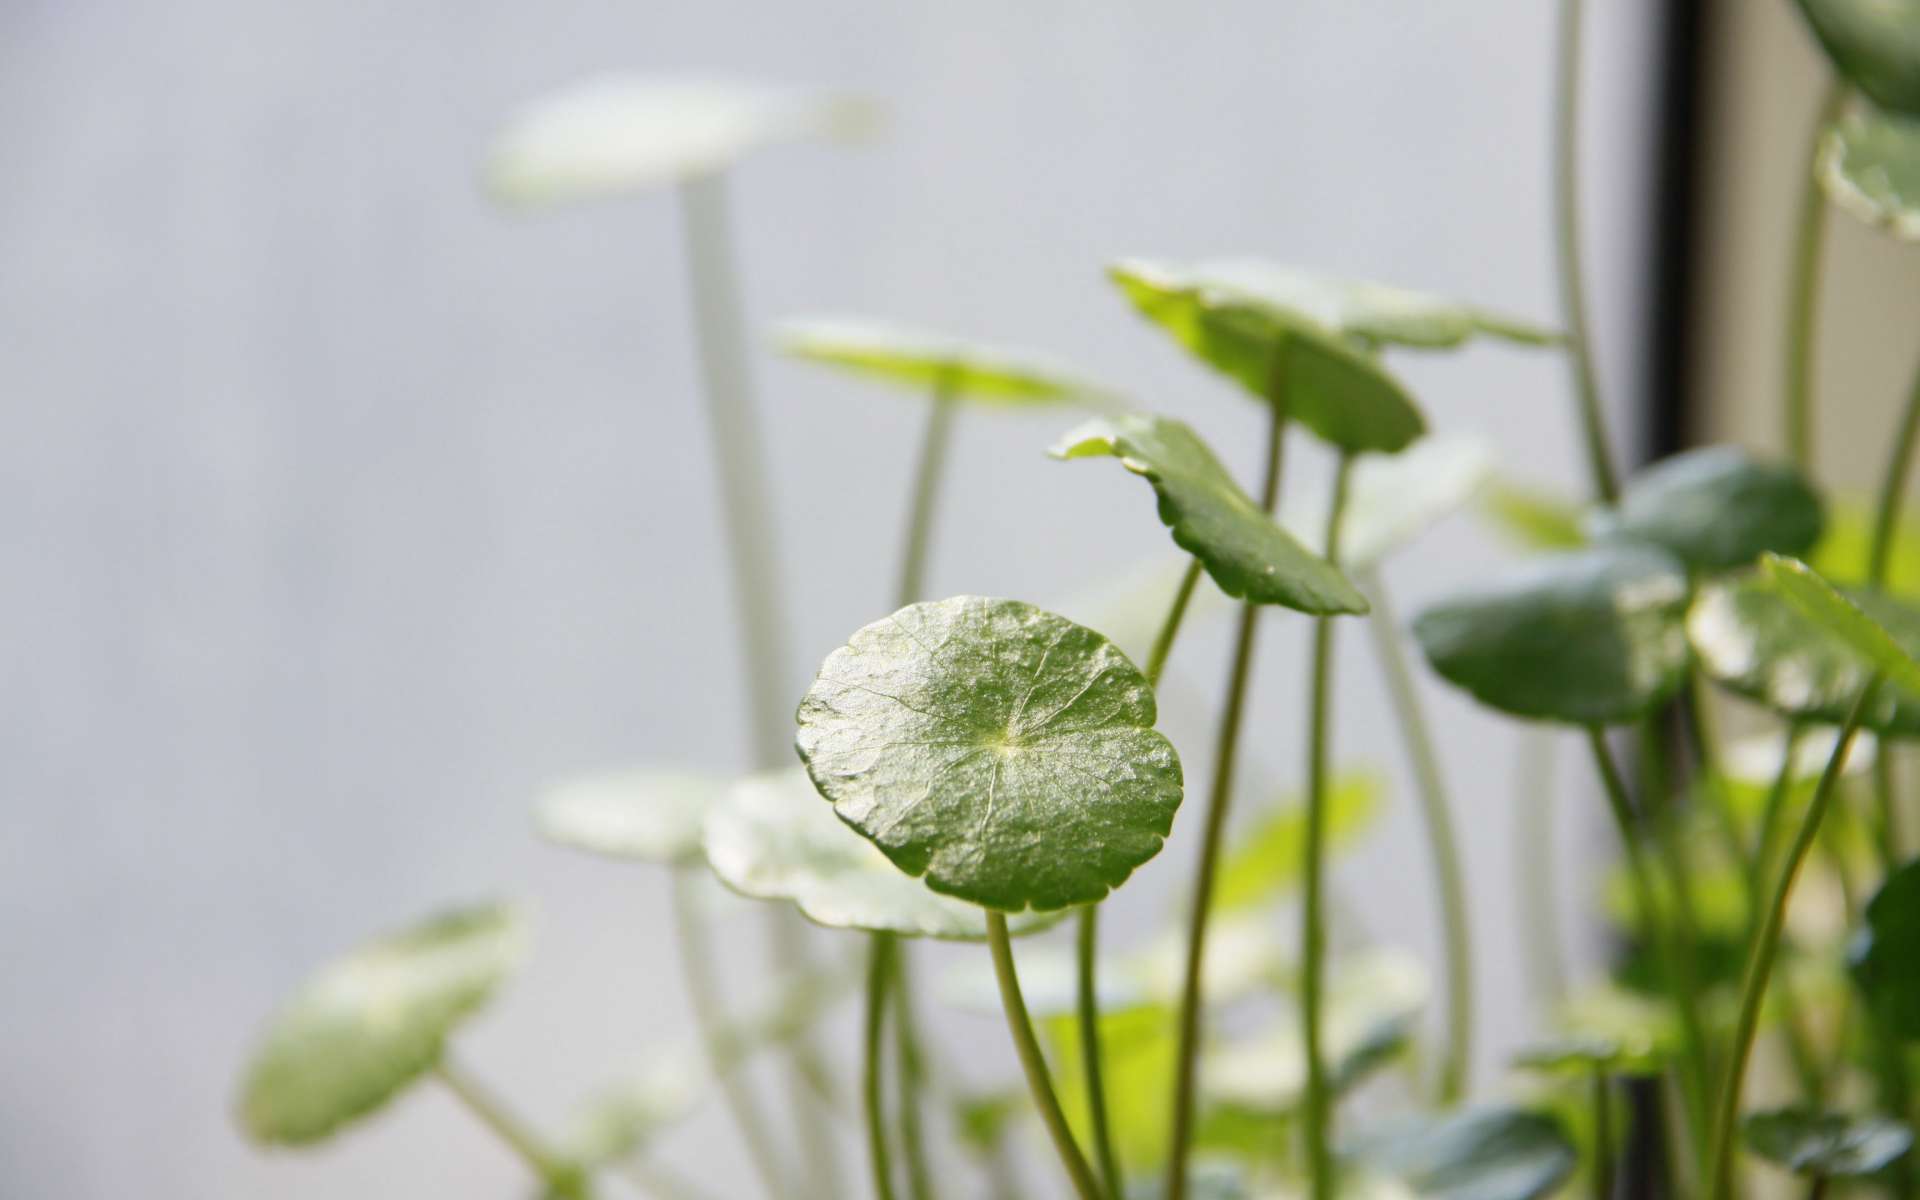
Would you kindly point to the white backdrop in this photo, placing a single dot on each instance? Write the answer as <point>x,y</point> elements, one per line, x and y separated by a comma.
<point>341,511</point>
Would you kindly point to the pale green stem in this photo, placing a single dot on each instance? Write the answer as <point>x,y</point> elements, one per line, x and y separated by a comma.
<point>1034,1063</point>
<point>1573,299</point>
<point>561,1177</point>
<point>1448,877</point>
<point>1170,628</point>
<point>1766,946</point>
<point>926,493</point>
<point>1192,1001</point>
<point>879,968</point>
<point>1803,290</point>
<point>1886,523</point>
<point>913,1074</point>
<point>1602,1136</point>
<point>1769,831</point>
<point>1685,933</point>
<point>1533,873</point>
<point>1092,1050</point>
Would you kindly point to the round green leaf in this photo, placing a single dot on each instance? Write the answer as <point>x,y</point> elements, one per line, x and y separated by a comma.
<point>1393,499</point>
<point>645,815</point>
<point>928,362</point>
<point>616,134</point>
<point>1717,508</point>
<point>1249,555</point>
<point>1533,519</point>
<point>1870,165</point>
<point>773,838</point>
<point>1829,1145</point>
<point>1588,636</point>
<point>1004,752</point>
<point>1875,44</point>
<point>1749,638</point>
<point>373,1022</point>
<point>620,1121</point>
<point>1226,317</point>
<point>1481,1154</point>
<point>1885,955</point>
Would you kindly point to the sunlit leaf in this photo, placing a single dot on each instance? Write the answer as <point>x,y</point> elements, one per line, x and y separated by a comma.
<point>1004,752</point>
<point>1480,1154</point>
<point>1645,1029</point>
<point>614,134</point>
<point>1585,636</point>
<point>644,815</point>
<point>1843,555</point>
<point>1885,954</point>
<point>1827,1145</point>
<point>1231,317</point>
<point>1266,860</point>
<point>1585,1053</point>
<point>1248,555</point>
<point>926,362</point>
<point>772,837</point>
<point>1717,508</point>
<point>373,1022</point>
<point>1393,499</point>
<point>1875,44</point>
<point>1533,519</point>
<point>1139,1046</point>
<point>1854,624</point>
<point>1870,165</point>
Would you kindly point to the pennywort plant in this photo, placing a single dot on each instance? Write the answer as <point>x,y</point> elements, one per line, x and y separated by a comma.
<point>1734,652</point>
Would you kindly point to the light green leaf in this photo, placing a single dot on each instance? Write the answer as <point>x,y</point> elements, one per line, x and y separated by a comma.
<point>1584,637</point>
<point>1139,1048</point>
<point>1885,955</point>
<point>1824,605</point>
<point>621,1120</point>
<point>1534,519</point>
<point>1257,337</point>
<point>1480,1154</point>
<point>1844,553</point>
<point>1875,44</point>
<point>1645,1030</point>
<point>929,362</point>
<point>1716,508</point>
<point>1248,555</point>
<point>1870,165</point>
<point>373,1022</point>
<point>772,837</point>
<point>1267,860</point>
<point>1749,638</point>
<point>1244,959</point>
<point>1584,1053</point>
<point>1393,499</point>
<point>1826,1145</point>
<point>616,134</point>
<point>646,815</point>
<point>1131,605</point>
<point>1004,752</point>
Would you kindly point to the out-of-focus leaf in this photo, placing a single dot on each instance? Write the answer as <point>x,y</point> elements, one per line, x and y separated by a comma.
<point>1588,636</point>
<point>621,1120</point>
<point>1870,165</point>
<point>982,1118</point>
<point>1243,958</point>
<point>1130,607</point>
<point>1749,765</point>
<point>1247,553</point>
<point>1049,983</point>
<point>1717,507</point>
<point>1585,1053</point>
<point>1267,860</point>
<point>1393,499</point>
<point>1003,752</point>
<point>1205,1181</point>
<point>1480,1154</point>
<point>645,815</point>
<point>1875,44</point>
<point>928,362</point>
<point>1885,954</point>
<point>617,134</point>
<point>1823,604</point>
<point>1646,1031</point>
<point>1825,1145</point>
<point>1843,554</point>
<point>1534,519</point>
<point>1139,1047</point>
<point>373,1022</point>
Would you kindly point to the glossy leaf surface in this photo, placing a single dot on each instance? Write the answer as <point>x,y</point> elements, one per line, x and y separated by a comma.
<point>1870,165</point>
<point>1002,751</point>
<point>1885,955</point>
<point>373,1022</point>
<point>1248,555</point>
<point>1875,44</point>
<point>1584,637</point>
<point>926,362</point>
<point>1393,499</point>
<point>615,134</point>
<point>1480,1154</point>
<point>643,815</point>
<point>1717,508</point>
<point>1830,1145</point>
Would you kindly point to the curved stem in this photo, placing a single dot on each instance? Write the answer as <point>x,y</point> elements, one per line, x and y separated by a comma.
<point>1187,1053</point>
<point>913,1075</point>
<point>1092,1053</point>
<point>1313,930</point>
<point>1803,290</point>
<point>1769,832</point>
<point>704,994</point>
<point>1766,945</point>
<point>1437,813</point>
<point>879,970</point>
<point>926,493</point>
<point>1893,487</point>
<point>1033,1062</point>
<point>560,1176</point>
<point>1573,300</point>
<point>1169,628</point>
<point>1602,1136</point>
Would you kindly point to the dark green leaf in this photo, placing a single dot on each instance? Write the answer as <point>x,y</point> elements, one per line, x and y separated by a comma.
<point>1235,321</point>
<point>1392,499</point>
<point>1004,752</point>
<point>928,362</point>
<point>373,1022</point>
<point>1717,508</point>
<point>1870,165</point>
<point>1885,955</point>
<point>1248,555</point>
<point>1828,1145</point>
<point>1481,1154</point>
<point>1875,44</point>
<point>772,837</point>
<point>1824,605</point>
<point>1586,637</point>
<point>645,815</point>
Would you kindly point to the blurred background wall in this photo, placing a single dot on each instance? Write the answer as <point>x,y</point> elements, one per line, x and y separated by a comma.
<point>342,511</point>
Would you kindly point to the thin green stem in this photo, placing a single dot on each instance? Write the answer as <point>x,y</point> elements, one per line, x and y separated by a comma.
<point>913,1077</point>
<point>1092,1051</point>
<point>1766,946</point>
<point>1803,288</point>
<point>873,1091</point>
<point>1192,1001</point>
<point>1573,299</point>
<point>703,992</point>
<point>1170,628</point>
<point>1034,1063</point>
<point>1313,926</point>
<point>561,1177</point>
<point>1893,487</point>
<point>926,494</point>
<point>1663,807</point>
<point>1437,813</point>
<point>1603,1151</point>
<point>1769,832</point>
<point>1539,906</point>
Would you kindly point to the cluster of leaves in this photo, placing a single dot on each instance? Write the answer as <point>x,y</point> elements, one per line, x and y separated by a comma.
<point>976,769</point>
